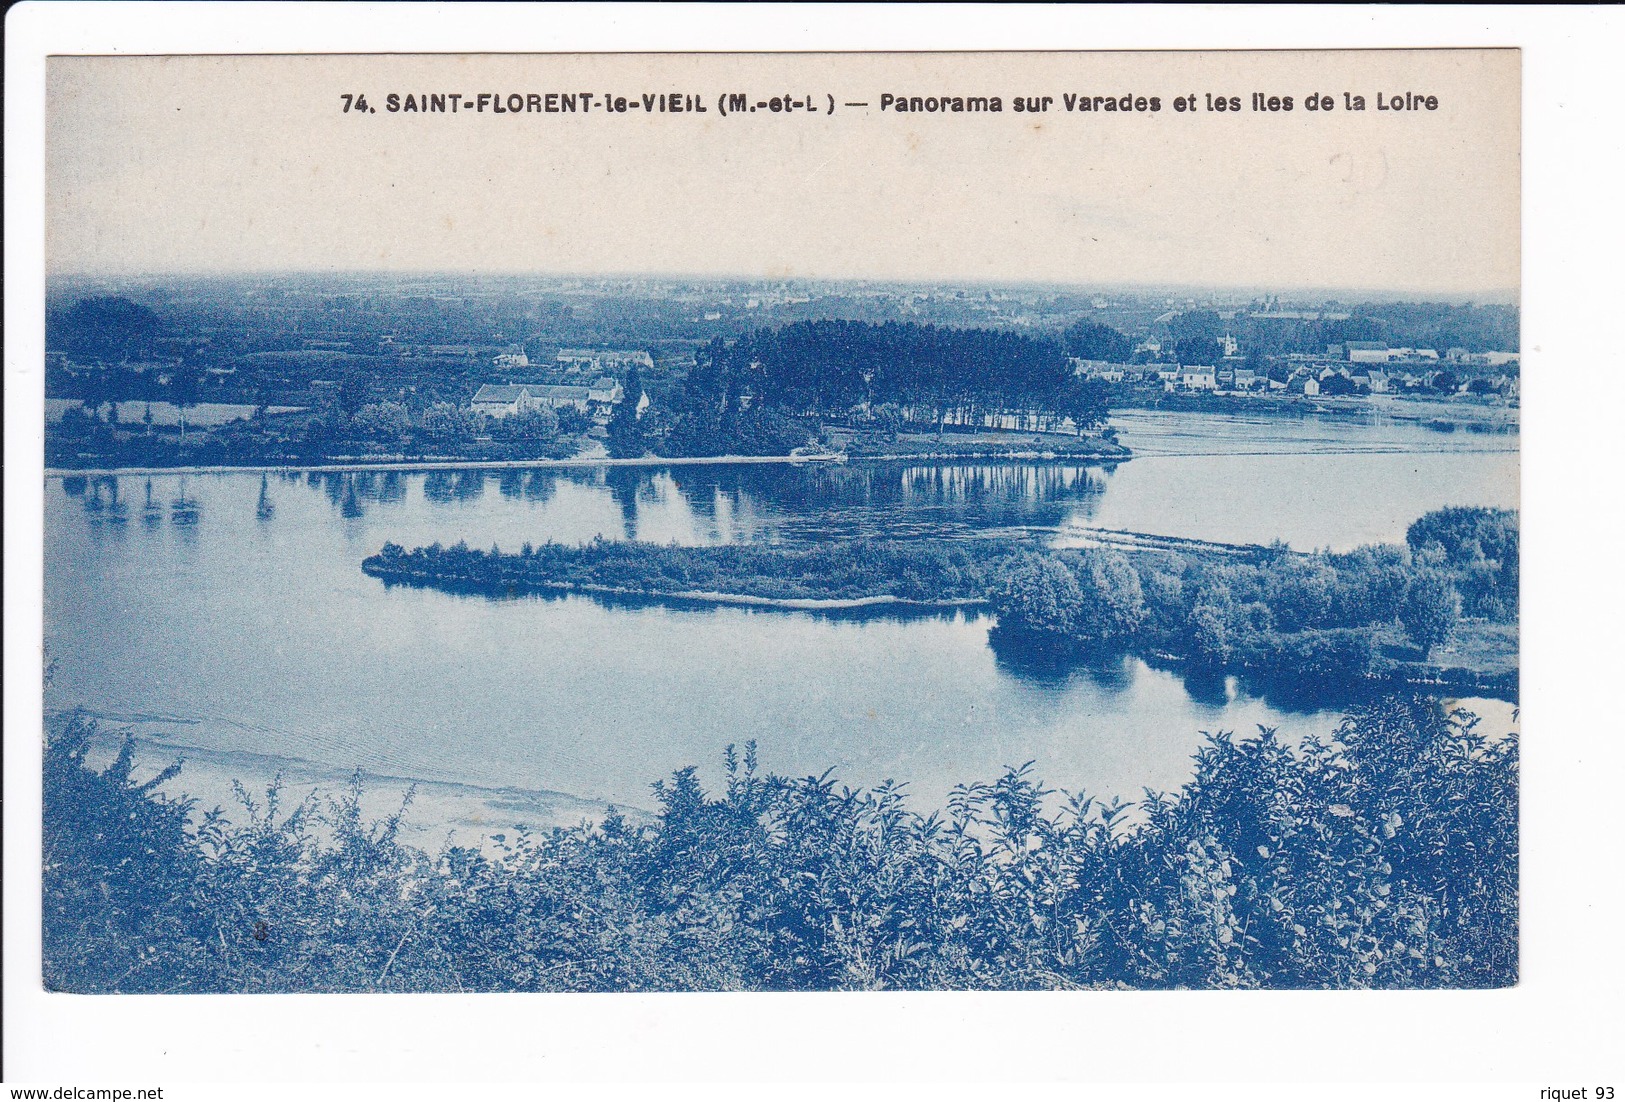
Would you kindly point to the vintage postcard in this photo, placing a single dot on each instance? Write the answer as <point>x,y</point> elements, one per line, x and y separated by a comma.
<point>798,522</point>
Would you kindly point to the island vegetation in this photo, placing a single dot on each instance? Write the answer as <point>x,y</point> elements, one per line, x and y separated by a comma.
<point>1317,865</point>
<point>770,388</point>
<point>1327,623</point>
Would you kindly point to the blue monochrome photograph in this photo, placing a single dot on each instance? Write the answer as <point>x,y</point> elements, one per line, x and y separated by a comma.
<point>781,522</point>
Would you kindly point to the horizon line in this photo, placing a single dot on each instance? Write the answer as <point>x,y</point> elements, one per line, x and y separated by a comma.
<point>1499,295</point>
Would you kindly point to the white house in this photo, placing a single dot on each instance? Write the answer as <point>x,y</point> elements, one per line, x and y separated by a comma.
<point>1368,352</point>
<point>1198,378</point>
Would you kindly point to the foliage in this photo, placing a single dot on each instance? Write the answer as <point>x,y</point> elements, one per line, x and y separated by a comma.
<point>1479,548</point>
<point>120,874</point>
<point>1089,340</point>
<point>104,328</point>
<point>844,369</point>
<point>1431,609</point>
<point>1384,857</point>
<point>836,571</point>
<point>627,438</point>
<point>1038,593</point>
<point>382,420</point>
<point>1289,620</point>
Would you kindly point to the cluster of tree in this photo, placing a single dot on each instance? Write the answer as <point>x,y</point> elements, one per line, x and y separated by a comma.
<point>1440,326</point>
<point>1386,857</point>
<point>103,329</point>
<point>1311,624</point>
<point>1287,618</point>
<point>846,570</point>
<point>96,436</point>
<point>1478,548</point>
<point>1192,336</point>
<point>846,370</point>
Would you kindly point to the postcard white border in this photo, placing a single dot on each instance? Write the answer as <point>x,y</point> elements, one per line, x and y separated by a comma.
<point>1549,1028</point>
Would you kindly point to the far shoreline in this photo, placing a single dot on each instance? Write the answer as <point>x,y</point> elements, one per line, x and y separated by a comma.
<point>420,466</point>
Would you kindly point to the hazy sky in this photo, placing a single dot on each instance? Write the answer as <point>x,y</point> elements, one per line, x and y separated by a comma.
<point>250,164</point>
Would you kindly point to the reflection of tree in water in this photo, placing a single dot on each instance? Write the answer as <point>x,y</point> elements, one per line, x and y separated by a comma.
<point>74,485</point>
<point>470,485</point>
<point>623,484</point>
<point>539,485</point>
<point>442,487</point>
<point>380,486</point>
<point>1206,687</point>
<point>350,505</point>
<point>152,513</point>
<point>438,487</point>
<point>334,484</point>
<point>265,509</point>
<point>1046,660</point>
<point>511,483</point>
<point>392,487</point>
<point>896,500</point>
<point>183,511</point>
<point>102,503</point>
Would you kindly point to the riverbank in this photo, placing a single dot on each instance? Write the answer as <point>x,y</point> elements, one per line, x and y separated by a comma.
<point>441,812</point>
<point>419,466</point>
<point>423,466</point>
<point>1471,413</point>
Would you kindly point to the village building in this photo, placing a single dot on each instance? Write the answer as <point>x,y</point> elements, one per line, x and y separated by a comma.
<point>1104,370</point>
<point>1198,378</point>
<point>597,400</point>
<point>1367,352</point>
<point>597,361</point>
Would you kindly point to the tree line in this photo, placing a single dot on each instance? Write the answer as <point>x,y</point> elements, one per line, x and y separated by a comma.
<point>1384,856</point>
<point>845,570</point>
<point>772,383</point>
<point>1312,620</point>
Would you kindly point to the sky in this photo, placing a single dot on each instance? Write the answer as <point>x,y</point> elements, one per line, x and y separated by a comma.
<point>250,164</point>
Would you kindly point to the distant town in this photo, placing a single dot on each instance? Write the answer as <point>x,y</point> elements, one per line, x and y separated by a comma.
<point>285,370</point>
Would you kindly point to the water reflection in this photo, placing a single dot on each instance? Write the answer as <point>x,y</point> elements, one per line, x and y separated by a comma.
<point>265,508</point>
<point>720,503</point>
<point>152,513</point>
<point>624,484</point>
<point>1047,661</point>
<point>183,511</point>
<point>599,695</point>
<point>438,487</point>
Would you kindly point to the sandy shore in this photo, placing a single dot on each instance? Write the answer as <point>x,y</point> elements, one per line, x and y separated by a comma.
<point>440,812</point>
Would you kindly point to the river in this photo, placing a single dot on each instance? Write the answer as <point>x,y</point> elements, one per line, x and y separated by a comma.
<point>228,613</point>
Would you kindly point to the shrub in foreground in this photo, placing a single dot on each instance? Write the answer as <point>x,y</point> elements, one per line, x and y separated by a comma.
<point>1385,856</point>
